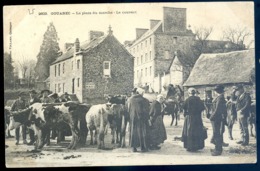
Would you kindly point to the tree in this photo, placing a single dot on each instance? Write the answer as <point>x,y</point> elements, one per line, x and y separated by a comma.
<point>238,36</point>
<point>27,68</point>
<point>49,51</point>
<point>8,69</point>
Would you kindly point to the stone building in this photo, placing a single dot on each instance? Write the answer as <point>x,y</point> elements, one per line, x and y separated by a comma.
<point>227,69</point>
<point>154,48</point>
<point>97,67</point>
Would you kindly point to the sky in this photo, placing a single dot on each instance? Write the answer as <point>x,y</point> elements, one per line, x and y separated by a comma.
<point>27,30</point>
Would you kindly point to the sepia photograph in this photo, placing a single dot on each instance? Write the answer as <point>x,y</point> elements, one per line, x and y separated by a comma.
<point>129,84</point>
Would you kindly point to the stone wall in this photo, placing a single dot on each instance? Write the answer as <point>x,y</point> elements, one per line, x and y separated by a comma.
<point>122,70</point>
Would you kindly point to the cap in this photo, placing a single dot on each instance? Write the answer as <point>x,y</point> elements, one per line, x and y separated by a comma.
<point>46,90</point>
<point>219,88</point>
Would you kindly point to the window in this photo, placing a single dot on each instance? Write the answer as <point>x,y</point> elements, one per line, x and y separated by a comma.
<point>145,71</point>
<point>134,50</point>
<point>174,40</point>
<point>59,70</point>
<point>166,54</point>
<point>78,81</point>
<point>63,87</point>
<point>150,40</point>
<point>72,65</point>
<point>78,63</point>
<point>107,68</point>
<point>150,55</point>
<point>55,70</point>
<point>150,70</point>
<point>59,88</point>
<point>137,48</point>
<point>146,57</point>
<point>146,43</point>
<point>63,71</point>
<point>141,59</point>
<point>55,88</point>
<point>137,61</point>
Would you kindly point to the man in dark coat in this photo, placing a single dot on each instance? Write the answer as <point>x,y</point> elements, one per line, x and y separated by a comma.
<point>33,99</point>
<point>192,133</point>
<point>45,98</point>
<point>218,119</point>
<point>243,105</point>
<point>19,105</point>
<point>138,108</point>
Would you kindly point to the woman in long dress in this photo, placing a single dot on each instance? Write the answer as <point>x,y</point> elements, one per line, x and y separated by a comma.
<point>157,133</point>
<point>193,135</point>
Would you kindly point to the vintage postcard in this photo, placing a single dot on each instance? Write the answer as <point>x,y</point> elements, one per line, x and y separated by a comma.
<point>129,84</point>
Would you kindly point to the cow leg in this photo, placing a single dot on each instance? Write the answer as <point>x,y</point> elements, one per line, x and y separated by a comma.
<point>251,130</point>
<point>113,135</point>
<point>91,136</point>
<point>95,137</point>
<point>176,118</point>
<point>230,132</point>
<point>172,118</point>
<point>117,134</point>
<point>40,139</point>
<point>48,134</point>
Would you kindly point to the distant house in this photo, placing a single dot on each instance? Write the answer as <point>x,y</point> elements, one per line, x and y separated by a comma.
<point>97,67</point>
<point>227,69</point>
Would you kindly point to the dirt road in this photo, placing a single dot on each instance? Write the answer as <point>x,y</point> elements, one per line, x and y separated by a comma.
<point>171,152</point>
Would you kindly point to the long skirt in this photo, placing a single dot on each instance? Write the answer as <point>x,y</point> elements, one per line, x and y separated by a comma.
<point>157,132</point>
<point>192,133</point>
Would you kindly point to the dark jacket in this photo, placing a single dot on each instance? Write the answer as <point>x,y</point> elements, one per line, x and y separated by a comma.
<point>219,109</point>
<point>244,103</point>
<point>34,100</point>
<point>19,105</point>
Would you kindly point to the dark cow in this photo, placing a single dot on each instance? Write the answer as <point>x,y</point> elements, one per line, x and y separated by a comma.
<point>69,113</point>
<point>252,119</point>
<point>117,99</point>
<point>97,119</point>
<point>171,108</point>
<point>118,123</point>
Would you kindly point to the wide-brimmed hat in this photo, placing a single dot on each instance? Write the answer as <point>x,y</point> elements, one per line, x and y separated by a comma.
<point>134,90</point>
<point>45,90</point>
<point>32,92</point>
<point>53,95</point>
<point>219,88</point>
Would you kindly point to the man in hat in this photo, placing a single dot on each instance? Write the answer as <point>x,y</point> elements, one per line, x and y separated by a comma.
<point>66,97</point>
<point>217,118</point>
<point>243,104</point>
<point>45,98</point>
<point>33,99</point>
<point>18,105</point>
<point>54,97</point>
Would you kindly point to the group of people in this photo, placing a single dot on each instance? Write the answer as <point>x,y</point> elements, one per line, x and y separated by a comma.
<point>22,103</point>
<point>194,132</point>
<point>147,129</point>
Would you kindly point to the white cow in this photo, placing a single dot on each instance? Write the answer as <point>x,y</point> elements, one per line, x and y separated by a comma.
<point>97,119</point>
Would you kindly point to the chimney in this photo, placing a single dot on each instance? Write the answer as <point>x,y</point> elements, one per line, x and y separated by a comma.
<point>110,31</point>
<point>67,46</point>
<point>77,45</point>
<point>153,23</point>
<point>95,34</point>
<point>140,32</point>
<point>174,19</point>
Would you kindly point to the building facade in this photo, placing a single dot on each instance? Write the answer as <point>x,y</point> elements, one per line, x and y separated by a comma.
<point>97,67</point>
<point>154,48</point>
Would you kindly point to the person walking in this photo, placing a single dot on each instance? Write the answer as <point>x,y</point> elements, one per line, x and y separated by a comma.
<point>193,130</point>
<point>138,109</point>
<point>157,133</point>
<point>17,106</point>
<point>218,119</point>
<point>243,105</point>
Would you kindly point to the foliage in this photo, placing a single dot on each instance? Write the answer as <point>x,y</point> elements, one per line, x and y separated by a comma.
<point>8,69</point>
<point>49,52</point>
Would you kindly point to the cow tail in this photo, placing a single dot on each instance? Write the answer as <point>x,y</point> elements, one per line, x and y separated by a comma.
<point>101,129</point>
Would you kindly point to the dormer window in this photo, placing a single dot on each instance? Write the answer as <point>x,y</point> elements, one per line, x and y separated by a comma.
<point>107,68</point>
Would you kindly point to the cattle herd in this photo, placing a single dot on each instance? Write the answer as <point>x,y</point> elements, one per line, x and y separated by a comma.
<point>78,118</point>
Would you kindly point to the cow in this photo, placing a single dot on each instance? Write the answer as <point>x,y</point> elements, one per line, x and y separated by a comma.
<point>97,119</point>
<point>116,99</point>
<point>171,108</point>
<point>49,116</point>
<point>118,121</point>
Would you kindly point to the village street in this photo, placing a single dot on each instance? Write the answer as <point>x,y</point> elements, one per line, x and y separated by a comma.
<point>171,152</point>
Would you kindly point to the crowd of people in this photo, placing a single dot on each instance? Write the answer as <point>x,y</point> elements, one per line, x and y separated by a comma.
<point>22,103</point>
<point>147,130</point>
